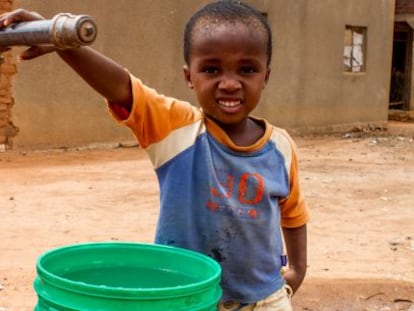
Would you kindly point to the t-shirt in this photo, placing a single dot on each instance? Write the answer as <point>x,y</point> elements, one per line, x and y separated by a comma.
<point>217,198</point>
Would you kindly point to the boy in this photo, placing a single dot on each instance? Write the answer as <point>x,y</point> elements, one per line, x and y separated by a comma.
<point>228,181</point>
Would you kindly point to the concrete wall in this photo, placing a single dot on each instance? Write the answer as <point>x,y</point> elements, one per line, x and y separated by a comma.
<point>311,88</point>
<point>308,88</point>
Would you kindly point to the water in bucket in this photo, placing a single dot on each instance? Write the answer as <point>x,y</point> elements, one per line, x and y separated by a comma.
<point>126,276</point>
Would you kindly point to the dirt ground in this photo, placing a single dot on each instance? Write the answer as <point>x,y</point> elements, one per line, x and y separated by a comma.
<point>359,186</point>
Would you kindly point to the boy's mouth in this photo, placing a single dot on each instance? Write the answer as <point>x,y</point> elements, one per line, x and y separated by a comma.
<point>227,103</point>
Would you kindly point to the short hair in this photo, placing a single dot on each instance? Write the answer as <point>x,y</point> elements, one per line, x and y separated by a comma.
<point>225,11</point>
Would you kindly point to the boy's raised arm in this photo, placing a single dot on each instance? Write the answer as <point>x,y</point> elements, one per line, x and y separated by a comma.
<point>103,74</point>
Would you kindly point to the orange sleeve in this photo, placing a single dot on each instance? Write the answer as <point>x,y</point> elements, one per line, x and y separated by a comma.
<point>153,116</point>
<point>294,210</point>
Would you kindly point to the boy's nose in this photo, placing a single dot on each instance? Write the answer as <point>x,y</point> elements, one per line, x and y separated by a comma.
<point>229,83</point>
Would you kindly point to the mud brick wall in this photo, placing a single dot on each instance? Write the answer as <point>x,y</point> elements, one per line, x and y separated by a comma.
<point>404,6</point>
<point>7,70</point>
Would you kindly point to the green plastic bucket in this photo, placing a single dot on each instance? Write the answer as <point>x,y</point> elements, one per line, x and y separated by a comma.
<point>126,276</point>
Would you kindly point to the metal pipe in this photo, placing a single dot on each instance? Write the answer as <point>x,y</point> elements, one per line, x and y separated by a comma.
<point>64,31</point>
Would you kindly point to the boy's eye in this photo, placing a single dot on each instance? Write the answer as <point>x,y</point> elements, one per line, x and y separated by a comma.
<point>248,69</point>
<point>210,69</point>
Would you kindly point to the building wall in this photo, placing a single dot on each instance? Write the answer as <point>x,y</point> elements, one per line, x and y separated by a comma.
<point>307,90</point>
<point>7,71</point>
<point>311,89</point>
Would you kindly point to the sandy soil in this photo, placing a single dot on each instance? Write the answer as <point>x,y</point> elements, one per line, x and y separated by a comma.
<point>359,185</point>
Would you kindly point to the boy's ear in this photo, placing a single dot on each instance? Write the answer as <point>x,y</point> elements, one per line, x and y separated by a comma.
<point>266,77</point>
<point>187,76</point>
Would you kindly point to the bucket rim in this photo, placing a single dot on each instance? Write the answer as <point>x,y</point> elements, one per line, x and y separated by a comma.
<point>123,292</point>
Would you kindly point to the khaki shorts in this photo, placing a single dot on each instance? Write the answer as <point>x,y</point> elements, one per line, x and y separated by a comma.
<point>278,301</point>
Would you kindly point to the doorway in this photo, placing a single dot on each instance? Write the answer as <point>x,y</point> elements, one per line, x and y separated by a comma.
<point>400,88</point>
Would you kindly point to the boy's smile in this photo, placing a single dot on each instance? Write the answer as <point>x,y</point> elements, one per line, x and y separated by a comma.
<point>228,71</point>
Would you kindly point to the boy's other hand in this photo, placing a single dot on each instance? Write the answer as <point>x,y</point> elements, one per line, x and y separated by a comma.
<point>18,16</point>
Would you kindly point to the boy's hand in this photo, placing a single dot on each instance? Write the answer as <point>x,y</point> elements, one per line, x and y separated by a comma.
<point>22,15</point>
<point>296,246</point>
<point>19,15</point>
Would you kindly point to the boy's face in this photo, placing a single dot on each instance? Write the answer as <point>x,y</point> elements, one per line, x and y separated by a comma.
<point>228,70</point>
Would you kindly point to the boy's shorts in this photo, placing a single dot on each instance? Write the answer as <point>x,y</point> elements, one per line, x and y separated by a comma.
<point>278,301</point>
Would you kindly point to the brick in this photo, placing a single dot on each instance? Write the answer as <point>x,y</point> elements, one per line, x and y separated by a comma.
<point>404,6</point>
<point>7,70</point>
<point>5,95</point>
<point>6,6</point>
<point>7,132</point>
<point>5,82</point>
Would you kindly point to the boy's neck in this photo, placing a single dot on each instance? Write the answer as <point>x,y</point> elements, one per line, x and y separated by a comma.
<point>244,133</point>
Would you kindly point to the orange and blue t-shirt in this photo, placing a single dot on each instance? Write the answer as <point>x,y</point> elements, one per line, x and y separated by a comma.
<point>217,198</point>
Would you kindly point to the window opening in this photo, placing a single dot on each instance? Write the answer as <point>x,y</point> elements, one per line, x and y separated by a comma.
<point>354,49</point>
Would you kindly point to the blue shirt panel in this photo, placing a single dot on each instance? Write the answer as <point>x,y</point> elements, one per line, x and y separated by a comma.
<point>225,204</point>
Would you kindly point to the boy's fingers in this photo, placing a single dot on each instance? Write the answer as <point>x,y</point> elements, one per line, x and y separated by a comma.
<point>36,51</point>
<point>19,15</point>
